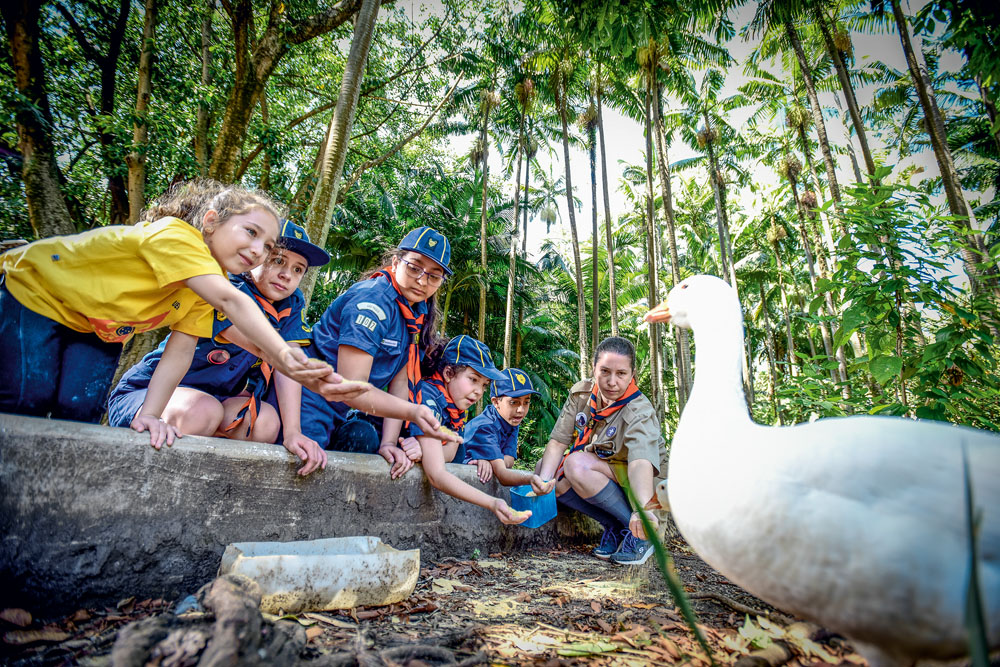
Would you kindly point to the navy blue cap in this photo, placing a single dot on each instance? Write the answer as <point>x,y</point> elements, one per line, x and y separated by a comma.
<point>294,238</point>
<point>515,383</point>
<point>431,244</point>
<point>467,351</point>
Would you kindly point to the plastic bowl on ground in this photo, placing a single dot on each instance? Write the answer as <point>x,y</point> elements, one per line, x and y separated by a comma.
<point>317,575</point>
<point>543,508</point>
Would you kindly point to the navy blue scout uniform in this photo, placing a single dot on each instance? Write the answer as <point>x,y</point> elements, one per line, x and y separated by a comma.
<point>224,369</point>
<point>489,436</point>
<point>368,316</point>
<point>433,392</point>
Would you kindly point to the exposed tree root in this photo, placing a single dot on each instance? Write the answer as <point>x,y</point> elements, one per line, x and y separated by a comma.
<point>775,616</point>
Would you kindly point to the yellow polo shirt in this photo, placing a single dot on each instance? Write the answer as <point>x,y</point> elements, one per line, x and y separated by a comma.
<point>116,281</point>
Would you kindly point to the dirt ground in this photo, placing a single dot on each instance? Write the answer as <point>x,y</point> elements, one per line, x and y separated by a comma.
<point>559,607</point>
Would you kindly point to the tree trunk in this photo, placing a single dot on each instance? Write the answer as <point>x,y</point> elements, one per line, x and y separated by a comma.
<point>683,367</point>
<point>612,284</point>
<point>581,302</point>
<point>255,62</point>
<point>975,251</point>
<point>771,366</point>
<point>656,378</point>
<point>817,114</point>
<point>595,246</point>
<point>845,85</point>
<point>265,168</point>
<point>47,209</point>
<point>339,135</point>
<point>136,158</point>
<point>508,320</point>
<point>484,139</point>
<point>203,120</point>
<point>810,264</point>
<point>793,370</point>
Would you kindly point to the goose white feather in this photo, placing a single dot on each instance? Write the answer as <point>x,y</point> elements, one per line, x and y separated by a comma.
<point>856,523</point>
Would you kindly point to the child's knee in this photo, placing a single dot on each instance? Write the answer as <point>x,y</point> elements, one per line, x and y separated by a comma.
<point>202,417</point>
<point>576,464</point>
<point>268,423</point>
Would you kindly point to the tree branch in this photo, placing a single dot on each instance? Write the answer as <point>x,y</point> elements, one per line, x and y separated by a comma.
<point>409,60</point>
<point>353,178</point>
<point>88,48</point>
<point>304,117</point>
<point>321,23</point>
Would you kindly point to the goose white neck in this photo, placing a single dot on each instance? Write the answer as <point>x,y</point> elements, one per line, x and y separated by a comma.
<point>718,385</point>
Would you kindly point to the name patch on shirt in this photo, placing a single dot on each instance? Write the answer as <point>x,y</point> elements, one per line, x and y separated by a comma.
<point>366,305</point>
<point>366,322</point>
<point>388,342</point>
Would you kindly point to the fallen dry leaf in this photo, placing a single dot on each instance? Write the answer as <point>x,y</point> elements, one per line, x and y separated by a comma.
<point>523,597</point>
<point>19,617</point>
<point>80,615</point>
<point>605,626</point>
<point>313,632</point>
<point>596,606</point>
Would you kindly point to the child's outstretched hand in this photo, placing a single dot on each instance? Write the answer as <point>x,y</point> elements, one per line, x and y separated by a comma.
<point>541,486</point>
<point>308,450</point>
<point>411,447</point>
<point>507,515</point>
<point>159,430</point>
<point>422,416</point>
<point>397,459</point>
<point>294,363</point>
<point>334,387</point>
<point>484,469</point>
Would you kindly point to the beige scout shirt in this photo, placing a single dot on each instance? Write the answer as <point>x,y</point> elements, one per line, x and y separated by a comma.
<point>631,433</point>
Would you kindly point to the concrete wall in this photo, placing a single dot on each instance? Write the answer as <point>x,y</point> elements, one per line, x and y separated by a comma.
<point>91,514</point>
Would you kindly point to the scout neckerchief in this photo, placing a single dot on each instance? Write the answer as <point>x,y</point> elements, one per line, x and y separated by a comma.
<point>260,377</point>
<point>456,416</point>
<point>585,430</point>
<point>414,323</point>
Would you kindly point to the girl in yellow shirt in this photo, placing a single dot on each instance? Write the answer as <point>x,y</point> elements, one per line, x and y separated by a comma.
<point>67,304</point>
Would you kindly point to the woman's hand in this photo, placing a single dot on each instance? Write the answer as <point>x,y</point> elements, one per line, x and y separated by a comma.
<point>334,387</point>
<point>159,430</point>
<point>484,469</point>
<point>507,515</point>
<point>423,417</point>
<point>397,459</point>
<point>635,523</point>
<point>541,486</point>
<point>313,456</point>
<point>411,447</point>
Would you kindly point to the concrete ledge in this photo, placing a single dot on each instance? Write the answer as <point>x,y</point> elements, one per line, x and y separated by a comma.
<point>91,514</point>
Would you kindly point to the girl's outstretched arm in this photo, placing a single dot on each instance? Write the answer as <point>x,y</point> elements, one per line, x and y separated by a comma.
<point>173,364</point>
<point>247,317</point>
<point>442,480</point>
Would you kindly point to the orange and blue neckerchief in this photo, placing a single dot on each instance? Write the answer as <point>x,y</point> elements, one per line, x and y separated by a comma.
<point>586,429</point>
<point>414,323</point>
<point>456,417</point>
<point>260,377</point>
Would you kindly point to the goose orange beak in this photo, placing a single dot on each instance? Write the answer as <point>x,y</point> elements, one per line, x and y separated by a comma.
<point>659,314</point>
<point>653,504</point>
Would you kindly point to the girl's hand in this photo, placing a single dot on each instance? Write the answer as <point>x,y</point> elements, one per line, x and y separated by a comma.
<point>411,447</point>
<point>159,430</point>
<point>294,363</point>
<point>334,387</point>
<point>484,469</point>
<point>422,416</point>
<point>507,515</point>
<point>313,457</point>
<point>541,486</point>
<point>398,462</point>
<point>635,524</point>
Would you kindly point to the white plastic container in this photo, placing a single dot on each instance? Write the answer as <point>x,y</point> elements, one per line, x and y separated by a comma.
<point>335,573</point>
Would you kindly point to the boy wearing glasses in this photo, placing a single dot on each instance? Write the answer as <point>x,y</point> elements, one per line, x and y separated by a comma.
<point>378,331</point>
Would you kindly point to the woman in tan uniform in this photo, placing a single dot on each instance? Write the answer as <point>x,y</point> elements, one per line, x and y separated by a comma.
<point>611,431</point>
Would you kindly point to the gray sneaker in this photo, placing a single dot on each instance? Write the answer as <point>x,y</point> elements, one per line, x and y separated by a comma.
<point>609,544</point>
<point>632,551</point>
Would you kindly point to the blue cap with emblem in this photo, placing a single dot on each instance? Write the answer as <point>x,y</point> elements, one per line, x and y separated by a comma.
<point>467,351</point>
<point>515,383</point>
<point>294,238</point>
<point>430,243</point>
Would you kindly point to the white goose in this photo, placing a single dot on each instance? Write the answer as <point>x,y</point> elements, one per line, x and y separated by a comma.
<point>856,523</point>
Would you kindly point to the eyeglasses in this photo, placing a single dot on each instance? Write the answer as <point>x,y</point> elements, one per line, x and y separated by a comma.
<point>415,271</point>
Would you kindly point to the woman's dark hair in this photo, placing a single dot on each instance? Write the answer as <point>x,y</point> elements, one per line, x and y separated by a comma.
<point>616,345</point>
<point>429,340</point>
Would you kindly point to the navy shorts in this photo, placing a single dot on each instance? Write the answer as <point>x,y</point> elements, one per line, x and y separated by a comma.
<point>49,369</point>
<point>350,432</point>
